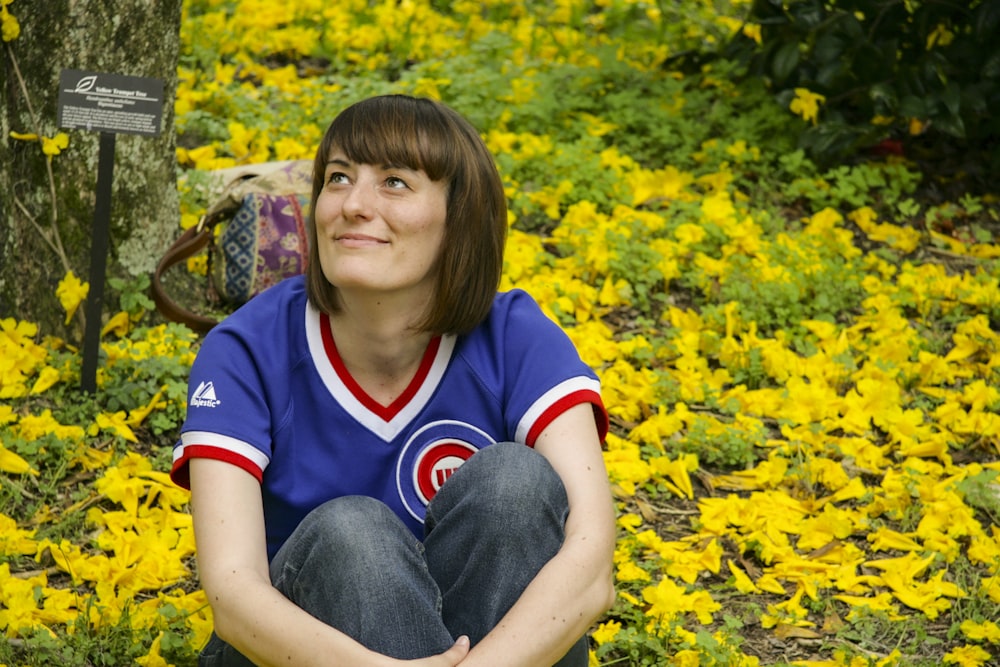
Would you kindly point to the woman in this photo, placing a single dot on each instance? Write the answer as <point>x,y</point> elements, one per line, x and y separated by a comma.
<point>388,460</point>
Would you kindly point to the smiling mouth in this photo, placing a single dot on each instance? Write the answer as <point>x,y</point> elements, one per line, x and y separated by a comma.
<point>359,240</point>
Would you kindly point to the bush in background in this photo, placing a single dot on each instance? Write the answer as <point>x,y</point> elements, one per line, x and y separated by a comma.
<point>920,77</point>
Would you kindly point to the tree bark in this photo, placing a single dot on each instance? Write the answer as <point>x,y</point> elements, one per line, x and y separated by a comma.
<point>47,204</point>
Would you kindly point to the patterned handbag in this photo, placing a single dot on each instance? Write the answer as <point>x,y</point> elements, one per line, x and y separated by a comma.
<point>263,241</point>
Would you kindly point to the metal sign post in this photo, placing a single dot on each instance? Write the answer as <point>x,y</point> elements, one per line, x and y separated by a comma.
<point>98,261</point>
<point>110,104</point>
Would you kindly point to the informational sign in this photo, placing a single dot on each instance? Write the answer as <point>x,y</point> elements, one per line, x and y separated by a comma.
<point>116,103</point>
<point>110,104</point>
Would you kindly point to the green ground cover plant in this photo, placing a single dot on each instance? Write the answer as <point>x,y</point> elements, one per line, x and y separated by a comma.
<point>800,357</point>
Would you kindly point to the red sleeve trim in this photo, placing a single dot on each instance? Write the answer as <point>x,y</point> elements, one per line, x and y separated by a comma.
<point>565,403</point>
<point>180,473</point>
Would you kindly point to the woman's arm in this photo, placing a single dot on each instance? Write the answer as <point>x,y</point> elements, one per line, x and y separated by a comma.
<point>576,587</point>
<point>249,613</point>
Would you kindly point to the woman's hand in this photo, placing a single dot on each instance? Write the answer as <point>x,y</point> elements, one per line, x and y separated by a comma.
<point>449,658</point>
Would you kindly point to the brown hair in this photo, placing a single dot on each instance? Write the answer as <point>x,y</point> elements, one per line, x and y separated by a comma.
<point>423,134</point>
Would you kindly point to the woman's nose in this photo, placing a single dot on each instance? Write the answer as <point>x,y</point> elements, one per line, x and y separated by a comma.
<point>360,200</point>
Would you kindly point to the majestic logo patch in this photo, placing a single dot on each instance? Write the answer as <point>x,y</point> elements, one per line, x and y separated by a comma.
<point>430,457</point>
<point>204,396</point>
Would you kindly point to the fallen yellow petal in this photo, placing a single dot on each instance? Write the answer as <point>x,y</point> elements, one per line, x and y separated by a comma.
<point>119,325</point>
<point>14,464</point>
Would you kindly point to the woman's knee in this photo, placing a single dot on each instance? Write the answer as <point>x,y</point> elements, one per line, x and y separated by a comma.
<point>506,478</point>
<point>350,529</point>
<point>346,516</point>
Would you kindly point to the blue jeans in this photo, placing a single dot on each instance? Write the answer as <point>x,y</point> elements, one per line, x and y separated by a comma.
<point>354,565</point>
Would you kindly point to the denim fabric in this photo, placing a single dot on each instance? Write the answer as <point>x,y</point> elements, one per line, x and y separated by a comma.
<point>354,565</point>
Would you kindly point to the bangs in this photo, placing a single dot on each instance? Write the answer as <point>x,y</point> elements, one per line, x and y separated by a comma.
<point>395,131</point>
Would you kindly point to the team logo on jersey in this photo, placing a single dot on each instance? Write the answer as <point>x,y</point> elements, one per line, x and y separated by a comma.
<point>204,396</point>
<point>430,457</point>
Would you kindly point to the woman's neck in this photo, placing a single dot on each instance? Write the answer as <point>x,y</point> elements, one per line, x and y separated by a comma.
<point>380,348</point>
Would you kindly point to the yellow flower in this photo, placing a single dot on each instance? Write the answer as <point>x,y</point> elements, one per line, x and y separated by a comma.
<point>138,415</point>
<point>688,234</point>
<point>10,29</point>
<point>71,293</point>
<point>116,423</point>
<point>198,265</point>
<point>48,377</point>
<point>806,104</point>
<point>752,30</point>
<point>290,149</point>
<point>90,458</point>
<point>20,598</point>
<point>153,657</point>
<point>119,324</point>
<point>55,145</point>
<point>940,36</point>
<point>879,602</point>
<point>189,220</point>
<point>668,600</point>
<point>14,540</point>
<point>429,87</point>
<point>686,658</point>
<point>742,581</point>
<point>986,631</point>
<point>14,464</point>
<point>917,126</point>
<point>550,198</point>
<point>677,470</point>
<point>967,656</point>
<point>606,632</point>
<point>668,183</point>
<point>33,427</point>
<point>629,571</point>
<point>597,127</point>
<point>885,539</point>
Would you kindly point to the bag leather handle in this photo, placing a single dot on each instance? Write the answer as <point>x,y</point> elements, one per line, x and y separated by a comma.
<point>187,245</point>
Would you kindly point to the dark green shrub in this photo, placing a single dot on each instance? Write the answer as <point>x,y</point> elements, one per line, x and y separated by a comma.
<point>914,76</point>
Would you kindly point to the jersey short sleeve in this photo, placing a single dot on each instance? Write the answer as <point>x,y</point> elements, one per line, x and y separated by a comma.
<point>235,387</point>
<point>536,368</point>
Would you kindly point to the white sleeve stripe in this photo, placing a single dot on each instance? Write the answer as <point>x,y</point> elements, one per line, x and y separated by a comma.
<point>238,447</point>
<point>549,398</point>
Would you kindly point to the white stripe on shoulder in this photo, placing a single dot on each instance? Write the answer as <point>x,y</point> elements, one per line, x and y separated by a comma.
<point>549,398</point>
<point>234,445</point>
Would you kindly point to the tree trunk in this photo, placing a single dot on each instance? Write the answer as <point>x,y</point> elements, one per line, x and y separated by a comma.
<point>46,215</point>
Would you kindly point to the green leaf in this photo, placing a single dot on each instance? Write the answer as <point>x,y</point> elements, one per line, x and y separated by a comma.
<point>785,61</point>
<point>808,14</point>
<point>991,66</point>
<point>829,48</point>
<point>831,73</point>
<point>885,98</point>
<point>912,106</point>
<point>952,98</point>
<point>951,125</point>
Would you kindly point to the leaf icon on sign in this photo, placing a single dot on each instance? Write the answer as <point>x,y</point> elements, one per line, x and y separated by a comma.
<point>85,84</point>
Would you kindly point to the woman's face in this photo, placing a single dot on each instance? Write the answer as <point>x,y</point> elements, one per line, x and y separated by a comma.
<point>380,228</point>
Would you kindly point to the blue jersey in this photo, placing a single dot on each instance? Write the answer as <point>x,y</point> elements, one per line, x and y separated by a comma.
<point>270,394</point>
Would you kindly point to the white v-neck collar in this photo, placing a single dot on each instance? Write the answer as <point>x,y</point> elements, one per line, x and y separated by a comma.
<point>384,421</point>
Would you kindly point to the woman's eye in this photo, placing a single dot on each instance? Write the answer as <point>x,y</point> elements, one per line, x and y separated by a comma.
<point>337,177</point>
<point>395,183</point>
